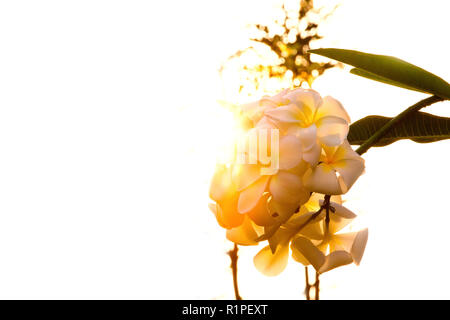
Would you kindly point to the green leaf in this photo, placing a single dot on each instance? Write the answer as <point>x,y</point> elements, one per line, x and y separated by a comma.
<point>389,70</point>
<point>420,127</point>
<point>375,77</point>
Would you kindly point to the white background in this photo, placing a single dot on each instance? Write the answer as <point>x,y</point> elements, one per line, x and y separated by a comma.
<point>108,138</point>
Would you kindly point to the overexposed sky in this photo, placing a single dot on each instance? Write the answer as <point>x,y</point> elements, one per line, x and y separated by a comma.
<point>110,129</point>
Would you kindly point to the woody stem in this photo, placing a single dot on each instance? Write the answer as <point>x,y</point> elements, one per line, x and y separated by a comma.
<point>234,258</point>
<point>307,285</point>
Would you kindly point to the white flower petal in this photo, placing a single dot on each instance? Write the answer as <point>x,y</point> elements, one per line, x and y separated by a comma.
<point>281,212</point>
<point>345,151</point>
<point>312,156</point>
<point>287,187</point>
<point>288,114</point>
<point>261,214</point>
<point>280,237</point>
<point>265,123</point>
<point>314,231</point>
<point>359,245</point>
<point>244,175</point>
<point>272,264</point>
<point>252,110</point>
<point>297,256</point>
<point>332,107</point>
<point>245,234</point>
<point>227,215</point>
<point>300,169</point>
<point>276,100</point>
<point>332,131</point>
<point>322,179</point>
<point>308,135</point>
<point>336,259</point>
<point>310,144</point>
<point>290,152</point>
<point>305,97</point>
<point>250,196</point>
<point>342,241</point>
<point>349,171</point>
<point>342,211</point>
<point>221,184</point>
<point>303,247</point>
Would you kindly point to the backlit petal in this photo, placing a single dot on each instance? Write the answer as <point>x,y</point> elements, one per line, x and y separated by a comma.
<point>281,212</point>
<point>322,179</point>
<point>349,171</point>
<point>287,187</point>
<point>359,245</point>
<point>287,114</point>
<point>336,259</point>
<point>250,196</point>
<point>305,98</point>
<point>261,214</point>
<point>332,131</point>
<point>272,264</point>
<point>345,151</point>
<point>280,237</point>
<point>308,135</point>
<point>244,175</point>
<point>252,111</point>
<point>343,241</point>
<point>221,184</point>
<point>300,169</point>
<point>245,234</point>
<point>332,107</point>
<point>305,248</point>
<point>309,142</point>
<point>227,215</point>
<point>290,152</point>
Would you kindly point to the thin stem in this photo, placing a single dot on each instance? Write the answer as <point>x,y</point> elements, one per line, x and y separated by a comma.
<point>326,204</point>
<point>401,116</point>
<point>234,258</point>
<point>307,285</point>
<point>327,220</point>
<point>316,286</point>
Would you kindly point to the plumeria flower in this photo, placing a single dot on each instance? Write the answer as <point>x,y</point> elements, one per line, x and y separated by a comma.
<point>282,185</point>
<point>272,259</point>
<point>263,212</point>
<point>301,109</point>
<point>265,193</point>
<point>337,171</point>
<point>333,249</point>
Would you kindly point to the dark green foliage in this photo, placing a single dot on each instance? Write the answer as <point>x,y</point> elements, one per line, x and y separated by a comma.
<point>389,70</point>
<point>420,127</point>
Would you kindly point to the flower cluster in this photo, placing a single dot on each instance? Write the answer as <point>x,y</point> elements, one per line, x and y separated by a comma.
<point>285,185</point>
